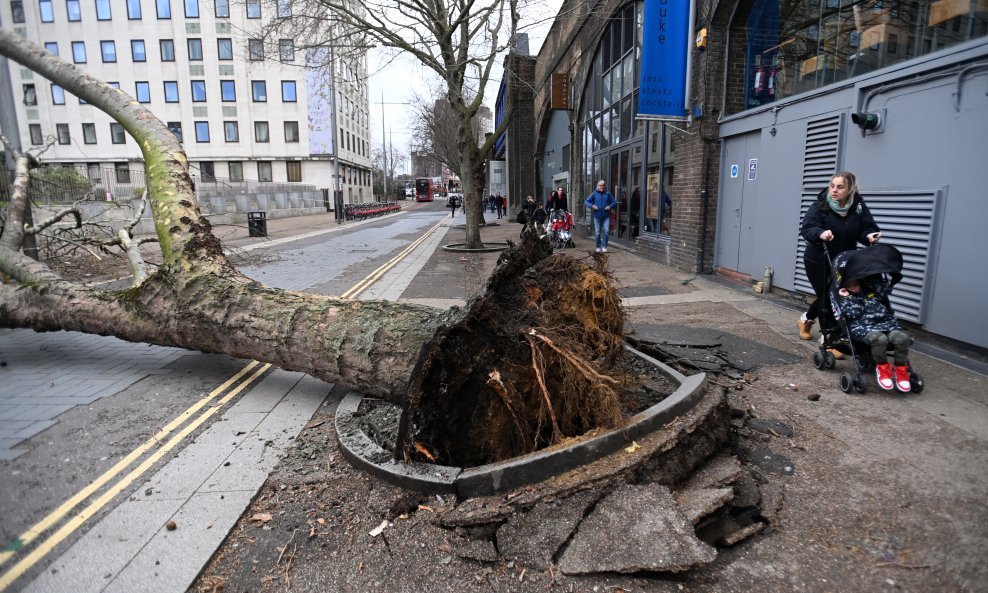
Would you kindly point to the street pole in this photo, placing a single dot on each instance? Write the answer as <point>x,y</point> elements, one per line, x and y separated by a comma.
<point>337,182</point>
<point>384,148</point>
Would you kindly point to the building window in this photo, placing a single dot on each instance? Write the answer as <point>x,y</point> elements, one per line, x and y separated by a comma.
<point>195,49</point>
<point>30,95</point>
<point>57,95</point>
<point>198,91</point>
<point>171,91</point>
<point>134,10</point>
<point>223,9</point>
<point>164,9</point>
<point>253,9</point>
<point>143,89</point>
<point>17,11</point>
<point>73,9</point>
<point>291,131</point>
<point>255,49</point>
<point>259,91</point>
<point>103,12</point>
<point>286,50</point>
<point>228,90</point>
<point>79,52</point>
<point>167,50</point>
<point>175,127</point>
<point>202,131</point>
<point>208,171</point>
<point>109,51</point>
<point>261,133</point>
<point>236,170</point>
<point>284,8</point>
<point>224,48</point>
<point>137,51</point>
<point>294,171</point>
<point>231,131</point>
<point>117,134</point>
<point>288,91</point>
<point>122,171</point>
<point>89,133</point>
<point>62,131</point>
<point>264,171</point>
<point>46,11</point>
<point>192,10</point>
<point>52,47</point>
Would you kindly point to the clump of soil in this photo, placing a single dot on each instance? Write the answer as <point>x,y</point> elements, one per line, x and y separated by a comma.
<point>531,362</point>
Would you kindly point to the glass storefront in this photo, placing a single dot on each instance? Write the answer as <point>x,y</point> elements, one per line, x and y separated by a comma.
<point>614,141</point>
<point>795,46</point>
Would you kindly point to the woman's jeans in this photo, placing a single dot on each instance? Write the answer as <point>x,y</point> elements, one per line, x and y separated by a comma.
<point>601,229</point>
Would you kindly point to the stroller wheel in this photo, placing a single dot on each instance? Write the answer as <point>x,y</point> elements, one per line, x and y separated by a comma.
<point>818,361</point>
<point>917,383</point>
<point>829,361</point>
<point>846,382</point>
<point>860,386</point>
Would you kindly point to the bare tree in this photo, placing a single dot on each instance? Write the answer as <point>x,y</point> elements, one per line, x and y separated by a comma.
<point>436,130</point>
<point>460,41</point>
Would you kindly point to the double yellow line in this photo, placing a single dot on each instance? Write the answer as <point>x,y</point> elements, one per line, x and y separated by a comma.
<point>383,269</point>
<point>156,443</point>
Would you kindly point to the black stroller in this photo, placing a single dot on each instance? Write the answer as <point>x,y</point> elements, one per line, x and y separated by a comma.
<point>875,260</point>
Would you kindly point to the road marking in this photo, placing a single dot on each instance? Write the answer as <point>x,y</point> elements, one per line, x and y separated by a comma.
<point>46,546</point>
<point>383,269</point>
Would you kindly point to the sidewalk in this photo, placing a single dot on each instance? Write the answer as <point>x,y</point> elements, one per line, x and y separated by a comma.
<point>875,492</point>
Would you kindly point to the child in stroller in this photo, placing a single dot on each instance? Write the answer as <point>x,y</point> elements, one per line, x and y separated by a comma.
<point>863,323</point>
<point>561,229</point>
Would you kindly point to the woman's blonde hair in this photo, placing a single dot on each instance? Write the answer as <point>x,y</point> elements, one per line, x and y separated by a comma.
<point>850,180</point>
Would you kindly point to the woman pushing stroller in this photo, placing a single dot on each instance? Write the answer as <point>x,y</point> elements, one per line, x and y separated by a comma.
<point>841,219</point>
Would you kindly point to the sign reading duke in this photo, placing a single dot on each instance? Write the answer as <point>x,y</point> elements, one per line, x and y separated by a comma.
<point>665,51</point>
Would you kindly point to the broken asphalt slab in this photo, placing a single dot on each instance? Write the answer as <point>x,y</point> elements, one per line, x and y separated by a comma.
<point>709,349</point>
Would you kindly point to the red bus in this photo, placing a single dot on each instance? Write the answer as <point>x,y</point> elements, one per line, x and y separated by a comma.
<point>423,190</point>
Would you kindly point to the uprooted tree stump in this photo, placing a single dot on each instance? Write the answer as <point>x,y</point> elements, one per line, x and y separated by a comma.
<point>531,362</point>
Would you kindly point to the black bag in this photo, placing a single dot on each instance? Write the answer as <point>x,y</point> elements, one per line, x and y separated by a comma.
<point>522,217</point>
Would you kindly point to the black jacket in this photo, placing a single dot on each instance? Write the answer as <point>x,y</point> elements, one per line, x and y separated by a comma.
<point>848,230</point>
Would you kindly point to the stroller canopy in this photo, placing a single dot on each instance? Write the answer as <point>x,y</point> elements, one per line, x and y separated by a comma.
<point>876,259</point>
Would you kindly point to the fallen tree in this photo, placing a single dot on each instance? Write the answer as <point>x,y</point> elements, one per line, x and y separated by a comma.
<point>540,375</point>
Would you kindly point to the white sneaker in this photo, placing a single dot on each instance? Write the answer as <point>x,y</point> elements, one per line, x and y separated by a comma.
<point>604,250</point>
<point>598,250</point>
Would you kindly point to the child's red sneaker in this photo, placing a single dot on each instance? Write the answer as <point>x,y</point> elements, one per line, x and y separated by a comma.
<point>883,373</point>
<point>902,378</point>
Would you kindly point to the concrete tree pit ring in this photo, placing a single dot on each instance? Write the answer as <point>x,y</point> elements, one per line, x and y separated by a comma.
<point>487,248</point>
<point>361,451</point>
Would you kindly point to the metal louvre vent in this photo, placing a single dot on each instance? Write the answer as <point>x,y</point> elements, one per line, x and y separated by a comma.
<point>906,217</point>
<point>819,164</point>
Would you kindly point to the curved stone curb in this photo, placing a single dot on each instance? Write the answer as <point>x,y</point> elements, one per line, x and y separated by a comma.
<point>488,247</point>
<point>498,477</point>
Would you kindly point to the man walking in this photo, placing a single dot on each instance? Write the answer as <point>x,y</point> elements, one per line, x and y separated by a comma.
<point>499,203</point>
<point>600,201</point>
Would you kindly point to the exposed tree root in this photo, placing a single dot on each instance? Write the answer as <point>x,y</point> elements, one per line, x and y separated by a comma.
<point>531,362</point>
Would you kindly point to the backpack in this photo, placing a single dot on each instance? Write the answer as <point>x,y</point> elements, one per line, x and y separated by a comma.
<point>522,217</point>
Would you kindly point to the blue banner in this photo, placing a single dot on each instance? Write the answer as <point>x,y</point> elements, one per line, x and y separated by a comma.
<point>665,52</point>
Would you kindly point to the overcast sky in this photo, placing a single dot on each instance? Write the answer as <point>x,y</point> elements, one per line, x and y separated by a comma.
<point>402,78</point>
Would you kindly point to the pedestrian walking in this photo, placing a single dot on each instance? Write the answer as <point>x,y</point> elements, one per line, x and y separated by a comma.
<point>454,202</point>
<point>499,204</point>
<point>600,202</point>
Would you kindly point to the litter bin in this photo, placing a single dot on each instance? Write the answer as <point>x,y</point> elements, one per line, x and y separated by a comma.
<point>257,224</point>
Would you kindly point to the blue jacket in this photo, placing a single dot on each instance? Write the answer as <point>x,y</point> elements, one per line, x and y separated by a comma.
<point>867,312</point>
<point>602,201</point>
